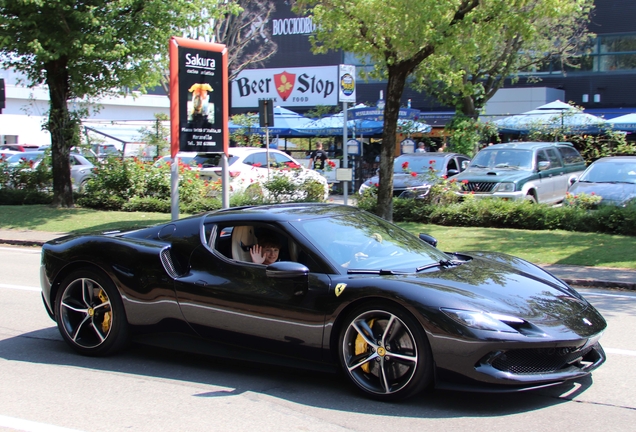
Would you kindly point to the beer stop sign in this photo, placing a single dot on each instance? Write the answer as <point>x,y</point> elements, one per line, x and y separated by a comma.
<point>198,96</point>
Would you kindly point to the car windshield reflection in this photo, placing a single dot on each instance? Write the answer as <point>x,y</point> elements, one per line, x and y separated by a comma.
<point>610,172</point>
<point>503,158</point>
<point>366,242</point>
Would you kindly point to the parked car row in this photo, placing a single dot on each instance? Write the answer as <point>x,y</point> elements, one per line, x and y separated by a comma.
<point>541,172</point>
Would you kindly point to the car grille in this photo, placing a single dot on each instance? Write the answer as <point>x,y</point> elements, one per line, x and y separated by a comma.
<point>538,361</point>
<point>482,187</point>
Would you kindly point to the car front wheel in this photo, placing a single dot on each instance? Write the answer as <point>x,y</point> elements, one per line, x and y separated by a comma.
<point>90,314</point>
<point>383,351</point>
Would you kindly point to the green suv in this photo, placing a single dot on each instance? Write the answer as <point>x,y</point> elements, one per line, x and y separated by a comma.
<point>537,171</point>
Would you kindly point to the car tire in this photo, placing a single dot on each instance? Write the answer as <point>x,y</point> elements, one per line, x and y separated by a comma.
<point>530,198</point>
<point>90,314</point>
<point>384,352</point>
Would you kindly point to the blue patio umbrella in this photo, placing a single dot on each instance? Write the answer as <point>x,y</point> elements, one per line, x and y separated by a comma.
<point>554,115</point>
<point>626,123</point>
<point>285,124</point>
<point>333,125</point>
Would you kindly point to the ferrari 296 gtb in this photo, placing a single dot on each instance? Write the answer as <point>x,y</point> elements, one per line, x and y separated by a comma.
<point>349,291</point>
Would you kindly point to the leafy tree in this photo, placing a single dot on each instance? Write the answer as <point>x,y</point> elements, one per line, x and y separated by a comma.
<point>400,37</point>
<point>544,36</point>
<point>157,135</point>
<point>84,49</point>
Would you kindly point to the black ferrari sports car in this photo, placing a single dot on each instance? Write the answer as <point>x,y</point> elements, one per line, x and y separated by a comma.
<point>350,291</point>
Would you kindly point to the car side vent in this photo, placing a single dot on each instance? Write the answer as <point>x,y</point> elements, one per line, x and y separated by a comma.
<point>168,264</point>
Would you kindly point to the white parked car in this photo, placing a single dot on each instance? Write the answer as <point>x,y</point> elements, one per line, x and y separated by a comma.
<point>248,169</point>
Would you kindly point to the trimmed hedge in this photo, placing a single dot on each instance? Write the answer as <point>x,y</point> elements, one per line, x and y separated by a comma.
<point>495,213</point>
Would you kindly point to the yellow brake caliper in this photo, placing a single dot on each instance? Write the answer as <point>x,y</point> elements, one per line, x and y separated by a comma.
<point>107,316</point>
<point>362,347</point>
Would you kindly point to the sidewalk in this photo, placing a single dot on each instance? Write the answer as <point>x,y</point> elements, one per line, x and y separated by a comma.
<point>573,275</point>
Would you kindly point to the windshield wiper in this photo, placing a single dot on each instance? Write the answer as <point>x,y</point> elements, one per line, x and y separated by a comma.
<point>441,264</point>
<point>378,272</point>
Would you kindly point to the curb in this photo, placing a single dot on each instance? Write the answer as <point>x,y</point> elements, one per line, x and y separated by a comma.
<point>586,283</point>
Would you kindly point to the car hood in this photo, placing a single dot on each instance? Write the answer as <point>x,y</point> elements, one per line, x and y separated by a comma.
<point>493,175</point>
<point>506,285</point>
<point>401,180</point>
<point>612,193</point>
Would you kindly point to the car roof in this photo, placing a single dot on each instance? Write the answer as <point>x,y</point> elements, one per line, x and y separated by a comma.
<point>285,212</point>
<point>241,151</point>
<point>610,159</point>
<point>527,145</point>
<point>430,155</point>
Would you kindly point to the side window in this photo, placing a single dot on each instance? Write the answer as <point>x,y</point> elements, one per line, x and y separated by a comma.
<point>280,160</point>
<point>256,159</point>
<point>570,156</point>
<point>540,157</point>
<point>452,165</point>
<point>555,160</point>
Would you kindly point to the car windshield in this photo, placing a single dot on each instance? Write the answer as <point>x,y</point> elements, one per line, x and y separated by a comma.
<point>611,172</point>
<point>24,157</point>
<point>362,241</point>
<point>417,164</point>
<point>503,158</point>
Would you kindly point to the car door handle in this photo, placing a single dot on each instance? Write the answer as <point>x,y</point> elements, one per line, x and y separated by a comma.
<point>201,283</point>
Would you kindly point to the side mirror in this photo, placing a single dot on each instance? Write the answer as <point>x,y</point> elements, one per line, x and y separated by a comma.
<point>287,270</point>
<point>452,172</point>
<point>429,239</point>
<point>543,165</point>
<point>573,180</point>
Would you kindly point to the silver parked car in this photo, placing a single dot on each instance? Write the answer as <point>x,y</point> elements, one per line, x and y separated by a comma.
<point>611,178</point>
<point>81,168</point>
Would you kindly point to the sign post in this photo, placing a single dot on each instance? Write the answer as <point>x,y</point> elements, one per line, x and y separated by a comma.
<point>346,94</point>
<point>198,105</point>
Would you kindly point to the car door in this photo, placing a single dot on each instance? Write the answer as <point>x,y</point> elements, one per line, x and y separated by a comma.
<point>238,303</point>
<point>556,176</point>
<point>542,183</point>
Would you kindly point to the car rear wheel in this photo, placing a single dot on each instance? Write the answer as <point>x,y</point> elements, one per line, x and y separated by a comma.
<point>90,314</point>
<point>383,351</point>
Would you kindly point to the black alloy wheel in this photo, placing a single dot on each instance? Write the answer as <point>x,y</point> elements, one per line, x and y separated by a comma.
<point>90,314</point>
<point>383,350</point>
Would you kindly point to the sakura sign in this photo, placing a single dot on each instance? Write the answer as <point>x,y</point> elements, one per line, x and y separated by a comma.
<point>288,87</point>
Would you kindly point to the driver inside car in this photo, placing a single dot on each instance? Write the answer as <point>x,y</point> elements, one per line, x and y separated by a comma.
<point>266,251</point>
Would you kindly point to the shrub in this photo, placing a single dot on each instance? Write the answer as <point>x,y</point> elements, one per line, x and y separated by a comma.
<point>495,213</point>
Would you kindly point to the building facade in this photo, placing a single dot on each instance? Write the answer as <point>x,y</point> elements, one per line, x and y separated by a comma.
<point>605,82</point>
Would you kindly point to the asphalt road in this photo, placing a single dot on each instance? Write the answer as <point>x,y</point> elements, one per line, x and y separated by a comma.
<point>46,387</point>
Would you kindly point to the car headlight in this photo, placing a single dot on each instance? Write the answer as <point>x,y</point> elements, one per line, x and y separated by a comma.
<point>483,320</point>
<point>505,187</point>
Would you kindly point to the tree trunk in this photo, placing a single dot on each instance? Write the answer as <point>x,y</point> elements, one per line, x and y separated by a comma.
<point>63,131</point>
<point>468,107</point>
<point>395,88</point>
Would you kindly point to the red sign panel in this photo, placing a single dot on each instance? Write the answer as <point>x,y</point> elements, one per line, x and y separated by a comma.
<point>198,96</point>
